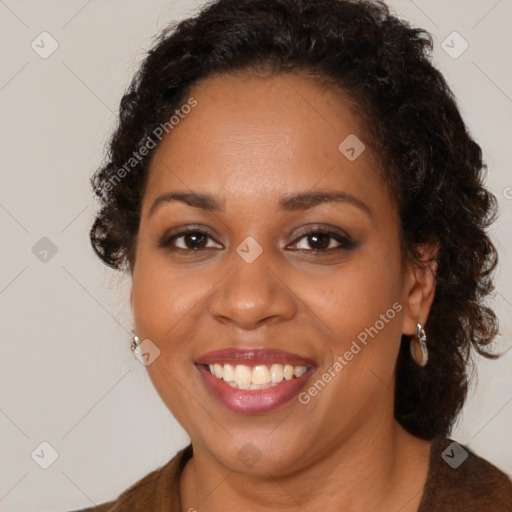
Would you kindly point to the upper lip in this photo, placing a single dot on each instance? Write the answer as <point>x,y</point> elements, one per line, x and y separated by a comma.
<point>253,356</point>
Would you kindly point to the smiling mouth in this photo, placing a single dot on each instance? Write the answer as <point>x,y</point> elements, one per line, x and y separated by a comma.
<point>254,380</point>
<point>261,376</point>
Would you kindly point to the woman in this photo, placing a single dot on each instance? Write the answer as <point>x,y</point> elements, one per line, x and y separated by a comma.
<point>301,210</point>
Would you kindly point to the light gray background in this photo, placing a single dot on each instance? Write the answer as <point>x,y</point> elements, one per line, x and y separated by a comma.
<point>68,376</point>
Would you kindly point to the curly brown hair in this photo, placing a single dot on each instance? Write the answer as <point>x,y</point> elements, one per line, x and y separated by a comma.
<point>429,160</point>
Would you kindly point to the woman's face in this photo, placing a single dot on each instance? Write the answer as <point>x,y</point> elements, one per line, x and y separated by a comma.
<point>255,285</point>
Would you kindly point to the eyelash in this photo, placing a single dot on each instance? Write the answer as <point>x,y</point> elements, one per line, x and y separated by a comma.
<point>344,241</point>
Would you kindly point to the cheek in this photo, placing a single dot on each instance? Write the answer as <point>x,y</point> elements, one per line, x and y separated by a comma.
<point>362,305</point>
<point>358,294</point>
<point>165,305</point>
<point>163,295</point>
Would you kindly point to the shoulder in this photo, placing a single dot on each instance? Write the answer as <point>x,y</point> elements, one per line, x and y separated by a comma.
<point>158,490</point>
<point>105,507</point>
<point>460,480</point>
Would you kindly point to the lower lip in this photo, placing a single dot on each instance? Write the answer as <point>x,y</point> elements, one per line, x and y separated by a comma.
<point>253,400</point>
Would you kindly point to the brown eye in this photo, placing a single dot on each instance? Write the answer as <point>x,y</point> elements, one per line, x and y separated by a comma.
<point>323,241</point>
<point>319,241</point>
<point>187,241</point>
<point>193,240</point>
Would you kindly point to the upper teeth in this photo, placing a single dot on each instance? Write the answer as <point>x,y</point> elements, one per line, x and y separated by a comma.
<point>257,377</point>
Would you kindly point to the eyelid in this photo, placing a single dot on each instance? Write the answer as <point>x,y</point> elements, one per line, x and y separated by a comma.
<point>165,240</point>
<point>339,235</point>
<point>324,228</point>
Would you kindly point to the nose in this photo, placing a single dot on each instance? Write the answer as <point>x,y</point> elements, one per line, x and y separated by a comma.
<point>252,294</point>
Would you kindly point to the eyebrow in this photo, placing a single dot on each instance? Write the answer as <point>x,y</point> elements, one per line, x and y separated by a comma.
<point>292,202</point>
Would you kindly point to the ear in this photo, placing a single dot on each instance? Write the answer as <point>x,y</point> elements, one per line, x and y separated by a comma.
<point>419,287</point>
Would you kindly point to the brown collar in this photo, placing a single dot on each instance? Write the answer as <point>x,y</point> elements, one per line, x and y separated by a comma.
<point>453,484</point>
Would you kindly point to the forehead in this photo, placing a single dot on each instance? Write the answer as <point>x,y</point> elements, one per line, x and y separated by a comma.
<point>255,135</point>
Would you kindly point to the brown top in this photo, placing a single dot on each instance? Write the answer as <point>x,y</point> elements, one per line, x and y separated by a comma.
<point>457,481</point>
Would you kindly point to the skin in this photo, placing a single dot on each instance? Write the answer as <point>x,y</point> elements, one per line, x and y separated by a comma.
<point>251,140</point>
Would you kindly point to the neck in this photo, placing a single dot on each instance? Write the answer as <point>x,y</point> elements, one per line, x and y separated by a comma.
<point>380,469</point>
